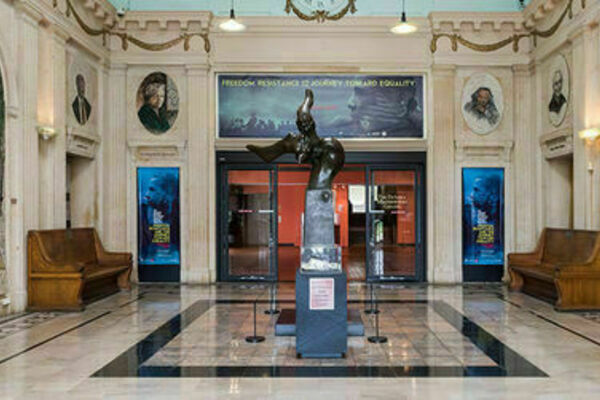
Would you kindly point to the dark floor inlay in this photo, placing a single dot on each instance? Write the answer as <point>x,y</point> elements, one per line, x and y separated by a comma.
<point>509,363</point>
<point>319,372</point>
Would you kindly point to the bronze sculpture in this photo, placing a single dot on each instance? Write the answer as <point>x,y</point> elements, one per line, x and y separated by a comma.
<point>321,297</point>
<point>325,155</point>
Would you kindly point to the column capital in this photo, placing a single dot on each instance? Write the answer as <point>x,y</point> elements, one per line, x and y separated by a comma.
<point>60,35</point>
<point>30,14</point>
<point>197,69</point>
<point>443,69</point>
<point>524,70</point>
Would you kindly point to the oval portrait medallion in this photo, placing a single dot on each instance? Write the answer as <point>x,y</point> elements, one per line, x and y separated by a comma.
<point>157,103</point>
<point>559,87</point>
<point>482,103</point>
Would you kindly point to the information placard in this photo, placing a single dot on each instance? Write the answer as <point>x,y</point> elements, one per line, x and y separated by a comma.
<point>321,296</point>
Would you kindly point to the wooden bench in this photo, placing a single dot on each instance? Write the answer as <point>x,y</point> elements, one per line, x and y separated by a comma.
<point>563,269</point>
<point>69,268</point>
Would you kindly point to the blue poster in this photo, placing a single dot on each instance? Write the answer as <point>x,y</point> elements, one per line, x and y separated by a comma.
<point>158,216</point>
<point>483,216</point>
<point>346,106</point>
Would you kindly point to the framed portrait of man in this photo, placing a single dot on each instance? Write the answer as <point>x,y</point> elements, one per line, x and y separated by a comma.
<point>482,103</point>
<point>82,83</point>
<point>558,90</point>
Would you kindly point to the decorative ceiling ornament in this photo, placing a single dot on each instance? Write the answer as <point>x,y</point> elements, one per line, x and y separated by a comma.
<point>320,10</point>
<point>127,38</point>
<point>457,39</point>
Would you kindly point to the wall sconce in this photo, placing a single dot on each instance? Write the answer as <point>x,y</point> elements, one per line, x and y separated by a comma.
<point>590,134</point>
<point>46,132</point>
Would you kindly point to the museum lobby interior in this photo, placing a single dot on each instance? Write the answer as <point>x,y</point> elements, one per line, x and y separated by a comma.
<point>296,199</point>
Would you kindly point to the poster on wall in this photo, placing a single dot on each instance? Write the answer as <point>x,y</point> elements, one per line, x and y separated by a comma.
<point>483,216</point>
<point>158,216</point>
<point>346,106</point>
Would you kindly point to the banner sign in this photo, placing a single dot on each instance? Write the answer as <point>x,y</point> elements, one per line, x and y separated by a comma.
<point>346,106</point>
<point>483,216</point>
<point>158,216</point>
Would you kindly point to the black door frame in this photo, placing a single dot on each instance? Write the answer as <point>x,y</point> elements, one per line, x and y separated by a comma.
<point>420,225</point>
<point>223,210</point>
<point>232,160</point>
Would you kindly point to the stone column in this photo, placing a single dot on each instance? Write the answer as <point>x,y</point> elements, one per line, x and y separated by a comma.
<point>441,204</point>
<point>585,173</point>
<point>24,143</point>
<point>51,111</point>
<point>525,151</point>
<point>114,155</point>
<point>100,170</point>
<point>199,268</point>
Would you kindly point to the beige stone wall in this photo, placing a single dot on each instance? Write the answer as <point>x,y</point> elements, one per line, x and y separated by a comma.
<point>41,47</point>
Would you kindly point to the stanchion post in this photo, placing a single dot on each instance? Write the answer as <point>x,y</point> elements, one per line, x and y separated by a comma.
<point>373,309</point>
<point>272,307</point>
<point>377,338</point>
<point>254,338</point>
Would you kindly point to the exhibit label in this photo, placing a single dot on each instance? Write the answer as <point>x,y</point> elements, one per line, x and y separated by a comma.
<point>321,294</point>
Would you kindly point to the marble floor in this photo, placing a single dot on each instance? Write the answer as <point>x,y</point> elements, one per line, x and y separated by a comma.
<point>171,342</point>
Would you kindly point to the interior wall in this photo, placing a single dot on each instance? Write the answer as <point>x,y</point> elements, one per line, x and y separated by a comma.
<point>33,62</point>
<point>40,45</point>
<point>2,189</point>
<point>559,193</point>
<point>83,192</point>
<point>568,182</point>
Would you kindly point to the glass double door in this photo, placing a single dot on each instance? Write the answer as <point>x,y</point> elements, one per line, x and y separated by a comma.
<point>394,224</point>
<point>378,221</point>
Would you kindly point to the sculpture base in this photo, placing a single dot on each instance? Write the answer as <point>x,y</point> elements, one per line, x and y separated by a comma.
<point>286,323</point>
<point>321,258</point>
<point>321,314</point>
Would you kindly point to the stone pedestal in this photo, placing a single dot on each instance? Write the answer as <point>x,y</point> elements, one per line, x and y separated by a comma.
<point>318,218</point>
<point>321,314</point>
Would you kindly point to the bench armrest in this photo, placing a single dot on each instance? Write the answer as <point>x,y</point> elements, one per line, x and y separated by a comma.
<point>532,258</point>
<point>114,258</point>
<point>109,257</point>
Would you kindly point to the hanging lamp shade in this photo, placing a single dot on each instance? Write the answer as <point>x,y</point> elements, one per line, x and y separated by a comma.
<point>232,25</point>
<point>403,27</point>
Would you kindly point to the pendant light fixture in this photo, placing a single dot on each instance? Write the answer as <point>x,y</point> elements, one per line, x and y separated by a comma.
<point>403,27</point>
<point>232,25</point>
